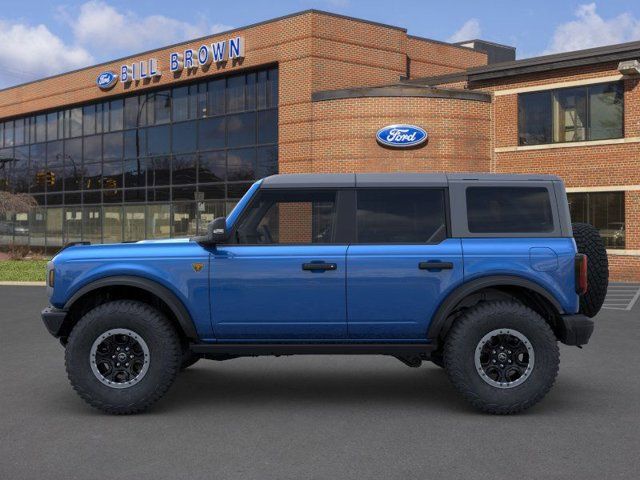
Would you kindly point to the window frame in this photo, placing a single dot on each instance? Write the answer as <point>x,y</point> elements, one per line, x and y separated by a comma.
<point>344,206</point>
<point>553,92</point>
<point>447,216</point>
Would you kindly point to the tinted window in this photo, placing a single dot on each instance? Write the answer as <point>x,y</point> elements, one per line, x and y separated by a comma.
<point>509,210</point>
<point>401,216</point>
<point>289,217</point>
<point>603,210</point>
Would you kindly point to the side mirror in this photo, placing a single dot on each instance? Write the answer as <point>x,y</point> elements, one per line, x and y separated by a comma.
<point>216,232</point>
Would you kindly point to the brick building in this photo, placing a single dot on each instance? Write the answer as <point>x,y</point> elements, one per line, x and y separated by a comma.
<point>157,144</point>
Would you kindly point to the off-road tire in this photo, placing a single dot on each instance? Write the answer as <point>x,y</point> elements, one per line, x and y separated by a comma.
<point>589,242</point>
<point>464,338</point>
<point>164,356</point>
<point>437,358</point>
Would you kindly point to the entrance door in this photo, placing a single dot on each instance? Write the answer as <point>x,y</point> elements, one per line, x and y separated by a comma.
<point>402,263</point>
<point>283,277</point>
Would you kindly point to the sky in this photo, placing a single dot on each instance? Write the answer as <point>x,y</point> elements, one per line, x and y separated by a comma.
<point>39,38</point>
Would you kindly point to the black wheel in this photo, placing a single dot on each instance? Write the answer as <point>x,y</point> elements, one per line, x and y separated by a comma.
<point>188,358</point>
<point>589,242</point>
<point>502,356</point>
<point>122,356</point>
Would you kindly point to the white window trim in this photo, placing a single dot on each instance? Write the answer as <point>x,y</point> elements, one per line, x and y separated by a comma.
<point>623,253</point>
<point>587,143</point>
<point>611,188</point>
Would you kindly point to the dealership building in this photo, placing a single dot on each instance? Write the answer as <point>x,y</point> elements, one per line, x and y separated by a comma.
<point>157,144</point>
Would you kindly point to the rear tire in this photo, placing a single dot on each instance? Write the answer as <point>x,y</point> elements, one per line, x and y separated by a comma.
<point>103,349</point>
<point>589,242</point>
<point>502,357</point>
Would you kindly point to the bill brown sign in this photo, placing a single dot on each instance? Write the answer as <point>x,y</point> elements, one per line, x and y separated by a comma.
<point>189,59</point>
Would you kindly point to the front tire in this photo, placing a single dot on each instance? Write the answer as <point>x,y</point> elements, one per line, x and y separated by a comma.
<point>122,356</point>
<point>502,356</point>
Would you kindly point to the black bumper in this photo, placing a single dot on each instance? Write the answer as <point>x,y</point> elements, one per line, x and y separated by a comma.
<point>53,319</point>
<point>575,329</point>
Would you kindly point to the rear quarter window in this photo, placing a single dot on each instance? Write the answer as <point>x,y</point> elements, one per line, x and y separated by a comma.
<point>509,210</point>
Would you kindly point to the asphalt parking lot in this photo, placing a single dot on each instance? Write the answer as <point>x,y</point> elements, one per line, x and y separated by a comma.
<point>317,417</point>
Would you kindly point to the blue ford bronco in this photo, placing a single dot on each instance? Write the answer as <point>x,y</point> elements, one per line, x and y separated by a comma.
<point>480,274</point>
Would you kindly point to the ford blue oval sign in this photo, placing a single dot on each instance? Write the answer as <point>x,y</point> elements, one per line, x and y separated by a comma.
<point>106,80</point>
<point>401,136</point>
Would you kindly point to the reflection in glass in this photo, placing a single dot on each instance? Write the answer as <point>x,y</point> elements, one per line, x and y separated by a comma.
<point>158,221</point>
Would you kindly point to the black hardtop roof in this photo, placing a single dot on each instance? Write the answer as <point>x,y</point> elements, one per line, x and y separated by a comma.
<point>344,180</point>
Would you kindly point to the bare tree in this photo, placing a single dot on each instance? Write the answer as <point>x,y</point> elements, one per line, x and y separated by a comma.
<point>16,203</point>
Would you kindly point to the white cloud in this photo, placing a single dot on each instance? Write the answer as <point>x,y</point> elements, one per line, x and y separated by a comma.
<point>469,31</point>
<point>29,52</point>
<point>110,32</point>
<point>591,30</point>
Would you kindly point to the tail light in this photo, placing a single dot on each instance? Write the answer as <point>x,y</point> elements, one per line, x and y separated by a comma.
<point>581,273</point>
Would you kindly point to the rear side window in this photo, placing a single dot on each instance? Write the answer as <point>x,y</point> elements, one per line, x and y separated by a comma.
<point>401,216</point>
<point>509,210</point>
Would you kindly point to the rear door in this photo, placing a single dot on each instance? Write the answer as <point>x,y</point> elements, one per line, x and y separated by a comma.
<point>401,264</point>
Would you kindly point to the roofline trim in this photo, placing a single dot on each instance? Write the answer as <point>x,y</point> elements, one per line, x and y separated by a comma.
<point>441,42</point>
<point>401,90</point>
<point>502,45</point>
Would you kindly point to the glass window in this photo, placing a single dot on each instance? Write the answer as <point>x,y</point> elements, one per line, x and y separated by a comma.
<point>135,143</point>
<point>250,91</point>
<point>289,217</point>
<point>215,190</point>
<point>183,137</point>
<point>158,140</point>
<point>211,133</point>
<point>92,224</point>
<point>41,128</point>
<point>37,226</point>
<point>52,126</point>
<point>37,168</point>
<point>158,221</point>
<point>570,115</point>
<point>72,228</point>
<point>184,169</point>
<point>241,164</point>
<point>8,134</point>
<point>211,211</point>
<point>89,116</point>
<point>216,102</point>
<point>92,148</point>
<point>272,88</point>
<point>237,190</point>
<point>112,225</point>
<point>162,109</point>
<point>212,167</point>
<point>135,172</point>
<point>75,122</point>
<point>534,118</point>
<point>401,216</point>
<point>603,210</point>
<point>509,210</point>
<point>201,104</point>
<point>159,171</point>
<point>134,223</point>
<point>116,115</point>
<point>112,175</point>
<point>135,195</point>
<point>268,126</point>
<point>19,132</point>
<point>606,112</point>
<point>267,163</point>
<point>112,146</point>
<point>184,220</point>
<point>241,129</point>
<point>592,112</point>
<point>235,93</point>
<point>21,169</point>
<point>180,104</point>
<point>131,112</point>
<point>92,176</point>
<point>54,227</point>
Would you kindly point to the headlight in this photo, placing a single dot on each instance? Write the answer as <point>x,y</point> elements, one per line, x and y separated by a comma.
<point>51,277</point>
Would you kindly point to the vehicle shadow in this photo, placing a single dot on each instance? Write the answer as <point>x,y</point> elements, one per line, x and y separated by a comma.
<point>247,388</point>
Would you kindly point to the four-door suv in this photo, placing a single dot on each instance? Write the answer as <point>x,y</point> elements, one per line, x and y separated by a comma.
<point>481,274</point>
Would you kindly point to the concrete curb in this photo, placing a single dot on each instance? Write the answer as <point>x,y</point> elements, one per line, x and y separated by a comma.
<point>23,284</point>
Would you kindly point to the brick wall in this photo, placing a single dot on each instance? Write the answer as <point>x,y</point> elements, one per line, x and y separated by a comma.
<point>430,58</point>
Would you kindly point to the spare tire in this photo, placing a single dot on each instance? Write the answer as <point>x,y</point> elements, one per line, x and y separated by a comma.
<point>589,242</point>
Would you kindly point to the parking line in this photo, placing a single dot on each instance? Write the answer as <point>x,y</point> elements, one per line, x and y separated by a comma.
<point>622,296</point>
<point>634,300</point>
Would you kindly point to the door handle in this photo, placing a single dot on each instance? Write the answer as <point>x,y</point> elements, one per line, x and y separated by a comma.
<point>319,266</point>
<point>435,265</point>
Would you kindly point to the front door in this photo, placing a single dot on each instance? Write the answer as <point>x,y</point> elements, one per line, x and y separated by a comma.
<point>282,277</point>
<point>401,265</point>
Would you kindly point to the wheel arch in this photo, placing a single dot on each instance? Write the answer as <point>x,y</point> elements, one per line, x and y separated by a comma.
<point>509,285</point>
<point>173,306</point>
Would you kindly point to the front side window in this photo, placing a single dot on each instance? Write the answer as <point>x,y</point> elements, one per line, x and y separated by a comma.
<point>401,216</point>
<point>591,112</point>
<point>289,217</point>
<point>509,210</point>
<point>603,210</point>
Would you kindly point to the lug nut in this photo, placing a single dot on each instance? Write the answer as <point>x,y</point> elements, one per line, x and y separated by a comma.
<point>118,349</point>
<point>501,366</point>
<point>494,360</point>
<point>113,356</point>
<point>126,364</point>
<point>130,356</point>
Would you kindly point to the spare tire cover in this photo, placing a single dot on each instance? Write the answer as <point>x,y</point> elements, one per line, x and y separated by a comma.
<point>589,242</point>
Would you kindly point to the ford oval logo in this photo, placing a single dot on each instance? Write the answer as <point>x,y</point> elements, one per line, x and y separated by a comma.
<point>401,136</point>
<point>106,80</point>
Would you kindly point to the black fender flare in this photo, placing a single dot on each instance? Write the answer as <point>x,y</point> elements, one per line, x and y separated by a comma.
<point>440,321</point>
<point>167,296</point>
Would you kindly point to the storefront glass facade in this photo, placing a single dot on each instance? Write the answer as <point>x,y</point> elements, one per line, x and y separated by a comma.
<point>153,165</point>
